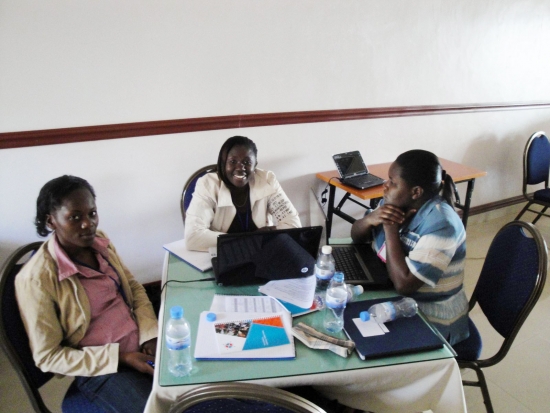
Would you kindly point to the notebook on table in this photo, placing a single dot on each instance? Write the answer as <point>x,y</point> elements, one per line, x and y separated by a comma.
<point>260,256</point>
<point>354,172</point>
<point>404,335</point>
<point>360,265</point>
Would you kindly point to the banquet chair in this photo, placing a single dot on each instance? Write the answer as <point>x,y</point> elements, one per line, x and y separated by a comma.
<point>189,187</point>
<point>243,398</point>
<point>510,283</point>
<point>536,168</point>
<point>15,343</point>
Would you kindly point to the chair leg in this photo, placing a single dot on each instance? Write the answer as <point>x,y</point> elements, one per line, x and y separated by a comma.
<point>523,210</point>
<point>481,383</point>
<point>540,214</point>
<point>484,390</point>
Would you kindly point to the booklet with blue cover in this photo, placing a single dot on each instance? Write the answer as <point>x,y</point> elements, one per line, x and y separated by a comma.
<point>245,336</point>
<point>250,334</point>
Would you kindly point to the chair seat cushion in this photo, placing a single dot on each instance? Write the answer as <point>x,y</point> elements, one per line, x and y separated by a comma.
<point>542,195</point>
<point>469,349</point>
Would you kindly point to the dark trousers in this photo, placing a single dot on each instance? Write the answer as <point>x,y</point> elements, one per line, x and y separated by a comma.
<point>126,391</point>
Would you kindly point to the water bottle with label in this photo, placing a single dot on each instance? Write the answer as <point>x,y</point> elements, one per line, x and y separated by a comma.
<point>390,310</point>
<point>324,271</point>
<point>178,343</point>
<point>336,297</point>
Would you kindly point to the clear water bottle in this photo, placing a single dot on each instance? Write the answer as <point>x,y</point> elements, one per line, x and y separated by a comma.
<point>390,310</point>
<point>354,291</point>
<point>337,295</point>
<point>178,343</point>
<point>324,271</point>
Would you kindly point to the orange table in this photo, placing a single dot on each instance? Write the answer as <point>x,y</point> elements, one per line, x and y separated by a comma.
<point>459,172</point>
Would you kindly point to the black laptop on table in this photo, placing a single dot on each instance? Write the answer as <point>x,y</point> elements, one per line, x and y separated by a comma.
<point>354,172</point>
<point>361,265</point>
<point>260,256</point>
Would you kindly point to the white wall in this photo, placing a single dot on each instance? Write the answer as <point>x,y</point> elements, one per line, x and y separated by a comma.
<point>89,63</point>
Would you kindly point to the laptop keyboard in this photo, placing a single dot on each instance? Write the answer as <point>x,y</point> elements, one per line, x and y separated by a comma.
<point>347,262</point>
<point>363,179</point>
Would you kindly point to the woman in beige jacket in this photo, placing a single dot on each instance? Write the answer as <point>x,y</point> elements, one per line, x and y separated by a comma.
<point>85,314</point>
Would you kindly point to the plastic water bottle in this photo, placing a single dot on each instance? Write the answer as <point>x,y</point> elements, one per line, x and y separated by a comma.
<point>337,295</point>
<point>178,343</point>
<point>354,291</point>
<point>324,271</point>
<point>391,310</point>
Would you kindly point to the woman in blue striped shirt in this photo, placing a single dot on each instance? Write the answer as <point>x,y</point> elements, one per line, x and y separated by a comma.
<point>422,240</point>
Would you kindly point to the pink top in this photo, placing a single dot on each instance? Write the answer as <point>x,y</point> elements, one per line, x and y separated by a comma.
<point>112,320</point>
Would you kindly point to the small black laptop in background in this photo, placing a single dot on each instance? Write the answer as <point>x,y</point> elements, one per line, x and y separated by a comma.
<point>260,256</point>
<point>354,172</point>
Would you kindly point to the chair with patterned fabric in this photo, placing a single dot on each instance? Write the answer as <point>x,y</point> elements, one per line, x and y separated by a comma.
<point>15,343</point>
<point>536,168</point>
<point>189,188</point>
<point>510,283</point>
<point>237,397</point>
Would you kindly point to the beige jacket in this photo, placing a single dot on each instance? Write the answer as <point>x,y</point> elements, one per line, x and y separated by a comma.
<point>57,315</point>
<point>211,211</point>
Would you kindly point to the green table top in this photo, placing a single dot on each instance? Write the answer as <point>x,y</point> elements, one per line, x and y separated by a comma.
<point>196,297</point>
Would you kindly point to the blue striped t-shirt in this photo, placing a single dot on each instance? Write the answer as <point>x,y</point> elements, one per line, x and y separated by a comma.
<point>434,243</point>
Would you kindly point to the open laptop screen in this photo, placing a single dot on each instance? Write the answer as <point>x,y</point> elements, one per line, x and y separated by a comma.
<point>350,164</point>
<point>257,257</point>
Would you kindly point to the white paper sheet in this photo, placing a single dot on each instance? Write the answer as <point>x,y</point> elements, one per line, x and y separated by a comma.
<point>297,291</point>
<point>370,328</point>
<point>245,304</point>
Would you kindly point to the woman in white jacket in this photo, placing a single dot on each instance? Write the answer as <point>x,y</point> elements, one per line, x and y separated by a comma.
<point>238,198</point>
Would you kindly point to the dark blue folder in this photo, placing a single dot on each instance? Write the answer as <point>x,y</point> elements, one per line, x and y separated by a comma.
<point>406,335</point>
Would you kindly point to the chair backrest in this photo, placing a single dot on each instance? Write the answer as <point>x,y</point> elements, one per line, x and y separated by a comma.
<point>189,188</point>
<point>13,337</point>
<point>536,160</point>
<point>272,400</point>
<point>511,281</point>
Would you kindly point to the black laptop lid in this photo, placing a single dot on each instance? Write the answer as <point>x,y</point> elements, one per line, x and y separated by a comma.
<point>350,164</point>
<point>261,256</point>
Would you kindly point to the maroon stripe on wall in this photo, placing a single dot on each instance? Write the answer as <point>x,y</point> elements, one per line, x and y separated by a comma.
<point>128,130</point>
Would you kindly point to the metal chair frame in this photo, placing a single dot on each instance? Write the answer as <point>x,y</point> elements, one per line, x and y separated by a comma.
<point>530,197</point>
<point>197,174</point>
<point>248,391</point>
<point>31,377</point>
<point>13,356</point>
<point>478,365</point>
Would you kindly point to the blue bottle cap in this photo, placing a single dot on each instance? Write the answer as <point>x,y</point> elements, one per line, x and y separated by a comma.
<point>338,276</point>
<point>365,315</point>
<point>211,317</point>
<point>176,312</point>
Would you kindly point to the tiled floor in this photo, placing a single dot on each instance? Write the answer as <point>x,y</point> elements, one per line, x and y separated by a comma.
<point>519,384</point>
